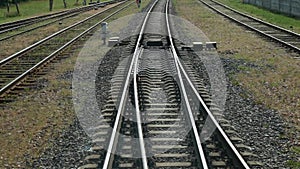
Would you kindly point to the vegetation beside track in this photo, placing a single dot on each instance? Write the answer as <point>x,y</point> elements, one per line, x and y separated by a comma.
<point>13,45</point>
<point>281,20</point>
<point>40,114</point>
<point>274,81</point>
<point>34,8</point>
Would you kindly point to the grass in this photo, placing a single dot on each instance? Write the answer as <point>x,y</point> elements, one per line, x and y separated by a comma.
<point>274,83</point>
<point>130,10</point>
<point>33,8</point>
<point>10,46</point>
<point>27,125</point>
<point>294,164</point>
<point>266,15</point>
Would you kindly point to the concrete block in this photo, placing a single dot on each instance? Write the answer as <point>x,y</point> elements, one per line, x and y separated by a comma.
<point>186,47</point>
<point>113,41</point>
<point>197,46</point>
<point>211,45</point>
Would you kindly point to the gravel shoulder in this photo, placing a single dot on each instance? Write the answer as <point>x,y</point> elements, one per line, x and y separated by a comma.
<point>13,45</point>
<point>263,85</point>
<point>40,129</point>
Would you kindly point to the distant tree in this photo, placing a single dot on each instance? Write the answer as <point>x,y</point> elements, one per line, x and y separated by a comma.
<point>7,5</point>
<point>65,3</point>
<point>17,6</point>
<point>14,2</point>
<point>77,2</point>
<point>50,5</point>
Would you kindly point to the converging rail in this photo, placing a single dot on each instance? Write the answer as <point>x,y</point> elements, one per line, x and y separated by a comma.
<point>154,123</point>
<point>16,67</point>
<point>283,36</point>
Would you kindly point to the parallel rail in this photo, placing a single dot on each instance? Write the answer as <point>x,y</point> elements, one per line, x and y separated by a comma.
<point>19,23</point>
<point>13,29</point>
<point>16,67</point>
<point>283,36</point>
<point>151,69</point>
<point>230,148</point>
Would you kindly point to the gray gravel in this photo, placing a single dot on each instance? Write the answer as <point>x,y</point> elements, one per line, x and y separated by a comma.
<point>73,144</point>
<point>261,128</point>
<point>66,151</point>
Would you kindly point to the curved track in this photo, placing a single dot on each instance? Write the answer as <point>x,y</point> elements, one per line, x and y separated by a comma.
<point>18,66</point>
<point>154,122</point>
<point>283,36</point>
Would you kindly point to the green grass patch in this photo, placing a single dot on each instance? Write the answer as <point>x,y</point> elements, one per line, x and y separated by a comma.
<point>293,164</point>
<point>266,15</point>
<point>33,8</point>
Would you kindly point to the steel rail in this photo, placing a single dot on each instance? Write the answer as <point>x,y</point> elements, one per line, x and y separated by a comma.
<point>252,28</point>
<point>258,20</point>
<point>43,25</point>
<point>114,135</point>
<point>240,159</point>
<point>137,111</point>
<point>51,56</point>
<point>215,122</point>
<point>30,21</point>
<point>36,21</point>
<point>190,113</point>
<point>50,37</point>
<point>230,144</point>
<point>8,26</point>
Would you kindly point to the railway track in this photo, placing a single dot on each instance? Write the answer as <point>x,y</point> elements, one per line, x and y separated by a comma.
<point>283,36</point>
<point>13,29</point>
<point>17,67</point>
<point>151,119</point>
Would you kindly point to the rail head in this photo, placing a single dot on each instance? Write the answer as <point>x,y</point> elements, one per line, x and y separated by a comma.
<point>23,51</point>
<point>258,20</point>
<point>50,14</point>
<point>49,57</point>
<point>296,49</point>
<point>112,142</point>
<point>239,159</point>
<point>200,150</point>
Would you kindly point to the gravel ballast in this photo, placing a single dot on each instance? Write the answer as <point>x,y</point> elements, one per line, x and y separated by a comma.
<point>261,128</point>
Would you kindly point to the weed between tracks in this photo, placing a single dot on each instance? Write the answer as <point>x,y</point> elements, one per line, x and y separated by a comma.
<point>274,82</point>
<point>28,125</point>
<point>33,8</point>
<point>15,44</point>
